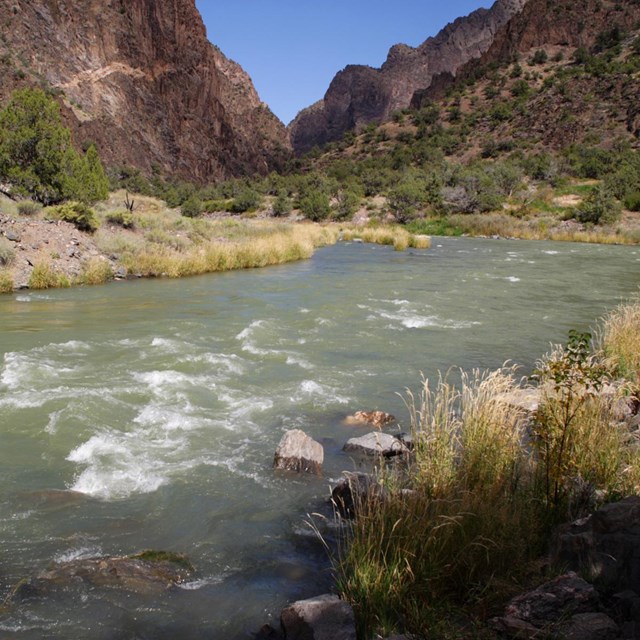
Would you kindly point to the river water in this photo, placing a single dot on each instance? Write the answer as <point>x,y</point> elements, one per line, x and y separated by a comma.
<point>160,404</point>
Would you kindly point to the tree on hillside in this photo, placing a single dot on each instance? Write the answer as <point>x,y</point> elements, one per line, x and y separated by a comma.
<point>37,158</point>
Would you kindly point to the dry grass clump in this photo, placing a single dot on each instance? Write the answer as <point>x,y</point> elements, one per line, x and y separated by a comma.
<point>6,281</point>
<point>393,235</point>
<point>96,271</point>
<point>44,276</point>
<point>620,340</point>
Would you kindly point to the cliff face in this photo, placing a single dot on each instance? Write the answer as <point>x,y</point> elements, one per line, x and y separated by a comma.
<point>140,78</point>
<point>359,94</point>
<point>542,24</point>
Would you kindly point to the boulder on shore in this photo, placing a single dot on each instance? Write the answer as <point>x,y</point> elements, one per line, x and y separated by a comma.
<point>377,443</point>
<point>325,617</point>
<point>300,453</point>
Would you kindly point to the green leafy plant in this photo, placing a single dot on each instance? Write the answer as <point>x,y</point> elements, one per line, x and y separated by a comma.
<point>77,213</point>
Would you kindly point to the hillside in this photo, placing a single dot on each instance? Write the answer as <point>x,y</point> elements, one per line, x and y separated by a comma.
<point>360,94</point>
<point>141,80</point>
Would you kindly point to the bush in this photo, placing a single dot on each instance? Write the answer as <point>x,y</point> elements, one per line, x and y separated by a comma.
<point>122,218</point>
<point>315,205</point>
<point>405,199</point>
<point>282,205</point>
<point>539,57</point>
<point>246,200</point>
<point>632,201</point>
<point>191,208</point>
<point>77,213</point>
<point>29,207</point>
<point>599,207</point>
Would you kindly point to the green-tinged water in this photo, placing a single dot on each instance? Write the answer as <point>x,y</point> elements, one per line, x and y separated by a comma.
<point>161,403</point>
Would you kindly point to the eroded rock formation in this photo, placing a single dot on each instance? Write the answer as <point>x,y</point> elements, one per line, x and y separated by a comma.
<point>140,78</point>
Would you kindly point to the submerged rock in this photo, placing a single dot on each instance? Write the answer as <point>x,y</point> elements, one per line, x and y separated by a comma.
<point>145,572</point>
<point>377,444</point>
<point>325,617</point>
<point>377,419</point>
<point>300,453</point>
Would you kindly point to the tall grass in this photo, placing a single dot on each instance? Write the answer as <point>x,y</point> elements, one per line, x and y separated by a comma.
<point>285,244</point>
<point>466,521</point>
<point>393,235</point>
<point>6,281</point>
<point>44,276</point>
<point>459,527</point>
<point>620,337</point>
<point>96,271</point>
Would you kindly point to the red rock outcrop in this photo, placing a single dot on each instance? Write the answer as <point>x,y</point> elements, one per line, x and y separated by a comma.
<point>360,94</point>
<point>140,78</point>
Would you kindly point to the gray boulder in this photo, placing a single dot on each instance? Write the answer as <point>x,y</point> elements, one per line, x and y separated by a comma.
<point>300,453</point>
<point>377,444</point>
<point>590,626</point>
<point>325,617</point>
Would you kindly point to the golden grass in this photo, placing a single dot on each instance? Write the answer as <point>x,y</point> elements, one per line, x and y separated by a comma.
<point>6,281</point>
<point>268,246</point>
<point>96,271</point>
<point>538,228</point>
<point>620,339</point>
<point>44,276</point>
<point>393,235</point>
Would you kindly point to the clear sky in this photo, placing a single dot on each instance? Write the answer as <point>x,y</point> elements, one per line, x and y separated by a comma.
<point>293,48</point>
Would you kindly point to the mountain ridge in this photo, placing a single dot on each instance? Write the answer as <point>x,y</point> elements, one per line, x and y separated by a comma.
<point>360,94</point>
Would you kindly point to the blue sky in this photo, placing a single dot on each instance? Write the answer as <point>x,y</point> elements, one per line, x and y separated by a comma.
<point>293,48</point>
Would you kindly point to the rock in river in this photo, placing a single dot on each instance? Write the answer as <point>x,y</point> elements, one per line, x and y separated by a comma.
<point>298,452</point>
<point>377,443</point>
<point>145,572</point>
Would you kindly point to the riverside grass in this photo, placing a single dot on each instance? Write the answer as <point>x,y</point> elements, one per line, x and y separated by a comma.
<point>393,235</point>
<point>460,529</point>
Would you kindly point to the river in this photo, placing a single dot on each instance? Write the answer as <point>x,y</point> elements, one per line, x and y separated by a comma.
<point>161,402</point>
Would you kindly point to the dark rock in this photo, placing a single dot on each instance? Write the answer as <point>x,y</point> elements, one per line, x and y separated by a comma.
<point>298,452</point>
<point>354,490</point>
<point>325,617</point>
<point>12,236</point>
<point>377,443</point>
<point>267,632</point>
<point>551,602</point>
<point>607,545</point>
<point>590,626</point>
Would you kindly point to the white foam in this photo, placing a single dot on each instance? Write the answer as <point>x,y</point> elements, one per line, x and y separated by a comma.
<point>301,362</point>
<point>195,585</point>
<point>551,253</point>
<point>512,279</point>
<point>83,553</point>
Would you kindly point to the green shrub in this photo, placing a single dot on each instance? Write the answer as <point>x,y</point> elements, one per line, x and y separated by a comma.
<point>315,205</point>
<point>43,276</point>
<point>29,207</point>
<point>539,57</point>
<point>599,207</point>
<point>246,200</point>
<point>191,208</point>
<point>77,213</point>
<point>121,218</point>
<point>632,201</point>
<point>282,205</point>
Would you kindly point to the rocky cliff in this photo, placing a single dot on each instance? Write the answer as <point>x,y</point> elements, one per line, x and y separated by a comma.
<point>360,94</point>
<point>542,24</point>
<point>140,78</point>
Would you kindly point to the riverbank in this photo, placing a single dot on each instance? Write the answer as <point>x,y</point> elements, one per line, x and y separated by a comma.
<point>41,250</point>
<point>466,525</point>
